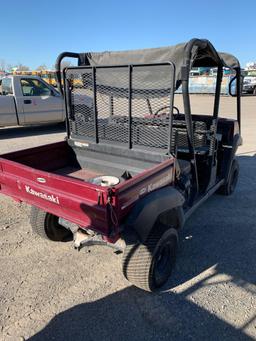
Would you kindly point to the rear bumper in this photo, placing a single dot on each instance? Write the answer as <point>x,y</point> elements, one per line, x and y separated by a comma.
<point>248,88</point>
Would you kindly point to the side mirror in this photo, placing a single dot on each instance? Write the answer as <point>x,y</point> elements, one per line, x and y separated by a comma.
<point>233,86</point>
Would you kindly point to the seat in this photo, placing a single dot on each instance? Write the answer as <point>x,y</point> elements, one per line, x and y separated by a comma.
<point>200,137</point>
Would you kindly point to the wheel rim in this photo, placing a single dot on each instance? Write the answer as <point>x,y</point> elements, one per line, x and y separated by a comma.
<point>164,261</point>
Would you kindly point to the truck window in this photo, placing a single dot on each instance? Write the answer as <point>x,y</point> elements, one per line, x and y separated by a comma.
<point>7,86</point>
<point>33,87</point>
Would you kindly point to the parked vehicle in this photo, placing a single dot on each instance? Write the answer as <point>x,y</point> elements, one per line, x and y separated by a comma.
<point>48,76</point>
<point>27,100</point>
<point>133,167</point>
<point>249,85</point>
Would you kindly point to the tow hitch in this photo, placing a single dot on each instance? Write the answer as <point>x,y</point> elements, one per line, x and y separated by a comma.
<point>88,237</point>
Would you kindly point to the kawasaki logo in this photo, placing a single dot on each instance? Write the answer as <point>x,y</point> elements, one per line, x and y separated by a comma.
<point>41,195</point>
<point>160,183</point>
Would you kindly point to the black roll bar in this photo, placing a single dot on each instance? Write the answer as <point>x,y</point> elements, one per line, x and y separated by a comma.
<point>58,67</point>
<point>238,94</point>
<point>218,92</point>
<point>186,99</point>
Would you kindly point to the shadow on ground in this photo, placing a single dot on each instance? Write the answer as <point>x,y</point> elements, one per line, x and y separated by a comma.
<point>223,232</point>
<point>221,235</point>
<point>14,132</point>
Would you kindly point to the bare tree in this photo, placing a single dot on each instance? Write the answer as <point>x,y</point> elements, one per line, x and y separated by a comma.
<point>9,67</point>
<point>21,67</point>
<point>66,63</point>
<point>2,65</point>
<point>42,67</point>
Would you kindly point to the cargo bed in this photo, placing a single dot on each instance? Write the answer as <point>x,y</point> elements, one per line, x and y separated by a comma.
<point>57,179</point>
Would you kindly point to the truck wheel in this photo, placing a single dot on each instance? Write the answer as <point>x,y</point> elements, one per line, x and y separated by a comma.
<point>47,226</point>
<point>149,265</point>
<point>254,91</point>
<point>230,186</point>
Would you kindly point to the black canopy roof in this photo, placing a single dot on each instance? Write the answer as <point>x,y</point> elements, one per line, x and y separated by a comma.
<point>195,53</point>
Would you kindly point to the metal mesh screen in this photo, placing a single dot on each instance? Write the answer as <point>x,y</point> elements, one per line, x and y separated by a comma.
<point>112,103</point>
<point>81,114</point>
<point>122,104</point>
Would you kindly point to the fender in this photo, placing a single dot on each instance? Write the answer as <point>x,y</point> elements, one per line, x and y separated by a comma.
<point>166,203</point>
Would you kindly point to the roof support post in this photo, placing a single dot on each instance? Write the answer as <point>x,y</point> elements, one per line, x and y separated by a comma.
<point>238,96</point>
<point>172,87</point>
<point>217,92</point>
<point>189,124</point>
<point>213,129</point>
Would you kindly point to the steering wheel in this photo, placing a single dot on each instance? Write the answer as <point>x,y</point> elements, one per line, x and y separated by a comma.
<point>166,107</point>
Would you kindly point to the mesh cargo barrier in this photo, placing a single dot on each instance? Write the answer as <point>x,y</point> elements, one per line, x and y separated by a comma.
<point>121,104</point>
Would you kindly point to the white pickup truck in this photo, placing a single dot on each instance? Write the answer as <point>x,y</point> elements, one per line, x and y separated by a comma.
<point>249,85</point>
<point>28,100</point>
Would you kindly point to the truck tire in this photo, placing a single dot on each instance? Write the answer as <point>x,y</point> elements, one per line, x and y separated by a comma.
<point>47,226</point>
<point>229,187</point>
<point>149,265</point>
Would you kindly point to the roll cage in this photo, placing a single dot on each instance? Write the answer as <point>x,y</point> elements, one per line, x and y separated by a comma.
<point>195,53</point>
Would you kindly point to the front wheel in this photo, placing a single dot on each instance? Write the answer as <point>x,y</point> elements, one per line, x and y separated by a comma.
<point>149,265</point>
<point>47,226</point>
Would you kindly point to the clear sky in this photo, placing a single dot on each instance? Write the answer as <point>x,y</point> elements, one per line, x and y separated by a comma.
<point>35,32</point>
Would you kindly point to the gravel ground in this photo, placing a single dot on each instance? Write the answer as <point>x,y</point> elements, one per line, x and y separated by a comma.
<point>49,291</point>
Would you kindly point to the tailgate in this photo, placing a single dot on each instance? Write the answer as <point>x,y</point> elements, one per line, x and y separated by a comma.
<point>75,200</point>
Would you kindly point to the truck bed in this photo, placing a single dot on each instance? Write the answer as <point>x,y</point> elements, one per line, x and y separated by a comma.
<point>73,172</point>
<point>56,178</point>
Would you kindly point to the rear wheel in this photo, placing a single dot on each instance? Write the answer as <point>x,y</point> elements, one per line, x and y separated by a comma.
<point>149,265</point>
<point>47,226</point>
<point>229,187</point>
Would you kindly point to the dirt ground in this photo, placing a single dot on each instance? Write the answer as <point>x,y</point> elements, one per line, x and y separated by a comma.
<point>49,291</point>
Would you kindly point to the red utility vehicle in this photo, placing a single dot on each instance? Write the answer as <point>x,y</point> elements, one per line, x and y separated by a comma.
<point>133,168</point>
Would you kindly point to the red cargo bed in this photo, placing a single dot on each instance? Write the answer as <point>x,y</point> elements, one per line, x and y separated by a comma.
<point>51,178</point>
